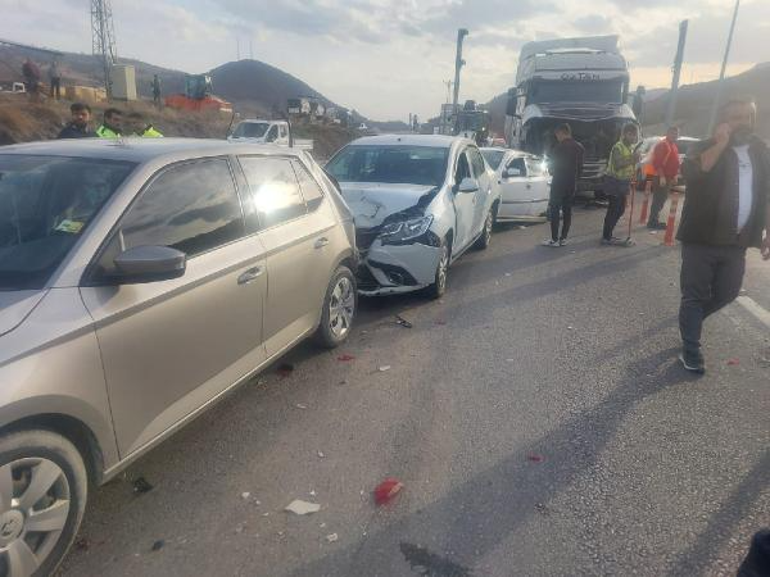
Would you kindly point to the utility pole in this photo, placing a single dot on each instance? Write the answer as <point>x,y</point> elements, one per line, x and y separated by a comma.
<point>720,86</point>
<point>103,40</point>
<point>678,60</point>
<point>459,63</point>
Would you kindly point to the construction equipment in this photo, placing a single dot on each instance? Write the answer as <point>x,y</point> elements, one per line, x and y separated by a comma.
<point>198,96</point>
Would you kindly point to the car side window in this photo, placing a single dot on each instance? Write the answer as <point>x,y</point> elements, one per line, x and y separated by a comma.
<point>192,207</point>
<point>273,189</point>
<point>463,169</point>
<point>534,167</point>
<point>283,131</point>
<point>311,190</point>
<point>479,167</point>
<point>518,164</point>
<point>272,135</point>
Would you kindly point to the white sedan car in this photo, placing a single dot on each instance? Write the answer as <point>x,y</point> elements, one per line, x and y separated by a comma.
<point>524,184</point>
<point>419,202</point>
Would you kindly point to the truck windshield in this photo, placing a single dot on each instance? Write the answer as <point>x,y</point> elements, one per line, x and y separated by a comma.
<point>559,91</point>
<point>251,130</point>
<point>45,205</point>
<point>391,164</point>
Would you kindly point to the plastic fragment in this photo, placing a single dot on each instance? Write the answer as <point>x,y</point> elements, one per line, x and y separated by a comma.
<point>321,455</point>
<point>301,406</point>
<point>158,545</point>
<point>384,368</point>
<point>535,458</point>
<point>299,507</point>
<point>333,538</point>
<point>142,486</point>
<point>733,362</point>
<point>245,495</point>
<point>403,322</point>
<point>345,358</point>
<point>387,490</point>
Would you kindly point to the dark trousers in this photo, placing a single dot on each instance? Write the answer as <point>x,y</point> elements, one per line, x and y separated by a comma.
<point>56,88</point>
<point>560,210</point>
<point>659,198</point>
<point>615,210</point>
<point>711,279</point>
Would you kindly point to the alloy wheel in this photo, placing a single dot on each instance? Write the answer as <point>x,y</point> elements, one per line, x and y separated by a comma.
<point>34,507</point>
<point>342,307</point>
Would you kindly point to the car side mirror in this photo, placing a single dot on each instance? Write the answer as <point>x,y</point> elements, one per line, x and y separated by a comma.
<point>146,264</point>
<point>468,185</point>
<point>512,172</point>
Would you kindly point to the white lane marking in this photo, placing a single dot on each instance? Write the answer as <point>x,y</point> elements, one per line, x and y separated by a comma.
<point>755,309</point>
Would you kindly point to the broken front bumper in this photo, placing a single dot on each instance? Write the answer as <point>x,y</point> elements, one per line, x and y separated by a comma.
<point>395,269</point>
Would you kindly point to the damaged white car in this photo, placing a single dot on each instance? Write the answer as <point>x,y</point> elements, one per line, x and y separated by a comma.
<point>419,203</point>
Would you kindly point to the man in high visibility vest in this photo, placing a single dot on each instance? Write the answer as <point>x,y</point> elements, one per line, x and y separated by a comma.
<point>112,127</point>
<point>665,164</point>
<point>150,132</point>
<point>617,183</point>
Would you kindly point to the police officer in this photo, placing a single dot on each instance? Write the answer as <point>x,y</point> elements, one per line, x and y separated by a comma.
<point>112,127</point>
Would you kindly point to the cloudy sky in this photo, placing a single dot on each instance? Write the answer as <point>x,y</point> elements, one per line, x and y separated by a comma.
<point>387,58</point>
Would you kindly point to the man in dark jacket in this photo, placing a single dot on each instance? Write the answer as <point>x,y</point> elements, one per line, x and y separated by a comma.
<point>566,167</point>
<point>79,126</point>
<point>726,211</point>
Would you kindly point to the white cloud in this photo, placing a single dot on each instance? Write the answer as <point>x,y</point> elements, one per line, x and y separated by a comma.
<point>390,57</point>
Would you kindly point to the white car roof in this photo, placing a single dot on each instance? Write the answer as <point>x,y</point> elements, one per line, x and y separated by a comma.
<point>433,140</point>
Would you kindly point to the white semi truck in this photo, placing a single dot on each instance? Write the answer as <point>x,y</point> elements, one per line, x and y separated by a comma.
<point>580,81</point>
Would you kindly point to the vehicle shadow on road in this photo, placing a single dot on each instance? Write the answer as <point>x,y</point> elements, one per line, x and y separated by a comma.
<point>482,513</point>
<point>722,524</point>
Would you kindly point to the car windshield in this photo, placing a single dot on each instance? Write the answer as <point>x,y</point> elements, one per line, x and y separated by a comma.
<point>391,164</point>
<point>45,205</point>
<point>251,130</point>
<point>493,157</point>
<point>547,91</point>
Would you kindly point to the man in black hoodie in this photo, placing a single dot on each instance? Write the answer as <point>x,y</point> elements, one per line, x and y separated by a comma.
<point>79,126</point>
<point>726,211</point>
<point>566,168</point>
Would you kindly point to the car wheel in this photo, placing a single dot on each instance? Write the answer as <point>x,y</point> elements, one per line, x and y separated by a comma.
<point>339,309</point>
<point>438,288</point>
<point>43,491</point>
<point>485,239</point>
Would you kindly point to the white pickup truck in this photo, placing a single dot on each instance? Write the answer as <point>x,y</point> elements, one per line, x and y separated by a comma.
<point>276,132</point>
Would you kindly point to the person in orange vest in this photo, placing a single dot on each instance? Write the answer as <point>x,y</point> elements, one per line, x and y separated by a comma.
<point>665,165</point>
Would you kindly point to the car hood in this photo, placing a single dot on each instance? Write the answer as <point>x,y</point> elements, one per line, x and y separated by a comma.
<point>15,306</point>
<point>372,203</point>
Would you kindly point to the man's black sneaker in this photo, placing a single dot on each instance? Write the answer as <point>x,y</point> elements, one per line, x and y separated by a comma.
<point>656,226</point>
<point>693,361</point>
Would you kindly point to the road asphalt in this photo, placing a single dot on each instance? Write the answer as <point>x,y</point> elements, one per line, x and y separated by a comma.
<point>536,416</point>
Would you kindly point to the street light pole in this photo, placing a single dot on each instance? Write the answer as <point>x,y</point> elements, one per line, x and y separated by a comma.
<point>671,112</point>
<point>459,63</point>
<point>720,86</point>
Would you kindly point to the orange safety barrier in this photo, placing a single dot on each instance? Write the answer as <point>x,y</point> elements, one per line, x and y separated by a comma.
<point>646,204</point>
<point>671,224</point>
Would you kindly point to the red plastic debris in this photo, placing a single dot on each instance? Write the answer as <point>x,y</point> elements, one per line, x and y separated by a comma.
<point>535,458</point>
<point>387,490</point>
<point>733,362</point>
<point>284,371</point>
<point>345,358</point>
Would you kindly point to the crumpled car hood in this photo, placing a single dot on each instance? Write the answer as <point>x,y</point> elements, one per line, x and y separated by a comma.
<point>372,203</point>
<point>15,306</point>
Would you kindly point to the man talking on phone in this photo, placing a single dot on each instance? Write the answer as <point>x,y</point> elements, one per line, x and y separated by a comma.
<point>726,211</point>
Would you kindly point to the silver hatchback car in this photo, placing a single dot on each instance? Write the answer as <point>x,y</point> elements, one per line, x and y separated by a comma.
<point>139,282</point>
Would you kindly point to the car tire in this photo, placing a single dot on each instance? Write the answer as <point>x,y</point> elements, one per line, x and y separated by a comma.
<point>483,242</point>
<point>49,488</point>
<point>438,288</point>
<point>339,309</point>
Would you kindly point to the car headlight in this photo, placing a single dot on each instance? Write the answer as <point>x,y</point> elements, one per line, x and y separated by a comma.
<point>404,230</point>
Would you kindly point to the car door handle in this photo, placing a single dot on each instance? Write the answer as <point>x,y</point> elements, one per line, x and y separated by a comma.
<point>250,275</point>
<point>321,242</point>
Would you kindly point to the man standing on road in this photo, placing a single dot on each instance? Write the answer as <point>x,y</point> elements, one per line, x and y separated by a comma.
<point>566,167</point>
<point>617,183</point>
<point>112,127</point>
<point>726,211</point>
<point>54,76</point>
<point>665,165</point>
<point>156,92</point>
<point>79,126</point>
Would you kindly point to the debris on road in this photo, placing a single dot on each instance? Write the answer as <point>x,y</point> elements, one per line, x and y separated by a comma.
<point>158,545</point>
<point>142,486</point>
<point>345,358</point>
<point>535,458</point>
<point>333,538</point>
<point>733,362</point>
<point>285,370</point>
<point>387,490</point>
<point>441,323</point>
<point>384,368</point>
<point>403,322</point>
<point>321,455</point>
<point>301,407</point>
<point>82,544</point>
<point>245,495</point>
<point>299,507</point>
